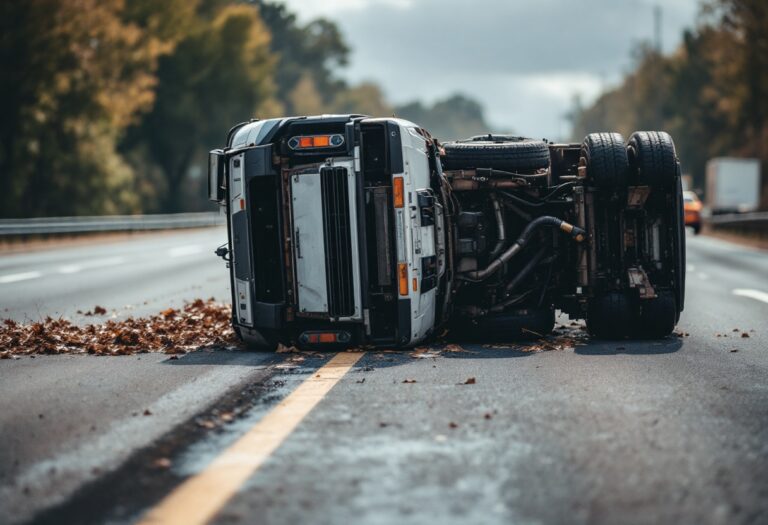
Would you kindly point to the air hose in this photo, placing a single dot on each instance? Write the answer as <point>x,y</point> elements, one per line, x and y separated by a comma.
<point>574,231</point>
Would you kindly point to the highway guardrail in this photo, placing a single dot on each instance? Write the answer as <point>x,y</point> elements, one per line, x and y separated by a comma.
<point>754,224</point>
<point>108,223</point>
<point>739,218</point>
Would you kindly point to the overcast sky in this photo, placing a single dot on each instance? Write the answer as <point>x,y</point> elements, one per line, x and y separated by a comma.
<point>523,60</point>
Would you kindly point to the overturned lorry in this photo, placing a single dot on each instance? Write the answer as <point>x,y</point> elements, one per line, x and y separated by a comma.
<point>346,230</point>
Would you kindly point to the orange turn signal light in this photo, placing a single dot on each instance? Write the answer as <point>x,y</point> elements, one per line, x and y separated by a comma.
<point>316,141</point>
<point>402,273</point>
<point>398,192</point>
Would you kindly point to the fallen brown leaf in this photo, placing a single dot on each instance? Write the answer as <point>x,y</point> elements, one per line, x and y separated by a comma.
<point>198,324</point>
<point>409,380</point>
<point>470,381</point>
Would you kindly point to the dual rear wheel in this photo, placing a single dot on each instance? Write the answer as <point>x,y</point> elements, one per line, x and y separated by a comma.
<point>613,166</point>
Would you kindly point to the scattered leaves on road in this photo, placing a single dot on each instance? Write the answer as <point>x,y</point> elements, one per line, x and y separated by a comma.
<point>174,331</point>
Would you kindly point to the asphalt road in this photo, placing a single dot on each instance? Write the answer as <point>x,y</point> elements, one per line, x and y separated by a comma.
<point>672,431</point>
<point>127,277</point>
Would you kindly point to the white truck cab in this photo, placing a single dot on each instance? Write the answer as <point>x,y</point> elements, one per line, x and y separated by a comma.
<point>336,232</point>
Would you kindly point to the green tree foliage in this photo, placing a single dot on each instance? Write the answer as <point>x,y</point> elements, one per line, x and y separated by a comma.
<point>72,76</point>
<point>219,74</point>
<point>456,117</point>
<point>308,56</point>
<point>711,94</point>
<point>364,99</point>
<point>109,106</point>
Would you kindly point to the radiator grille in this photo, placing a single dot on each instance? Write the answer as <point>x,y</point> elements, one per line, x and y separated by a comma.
<point>338,242</point>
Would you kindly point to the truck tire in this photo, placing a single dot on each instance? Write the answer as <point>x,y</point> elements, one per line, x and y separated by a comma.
<point>606,160</point>
<point>500,152</point>
<point>652,159</point>
<point>680,247</point>
<point>610,316</point>
<point>657,316</point>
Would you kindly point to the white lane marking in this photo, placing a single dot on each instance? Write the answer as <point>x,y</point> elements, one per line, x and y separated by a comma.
<point>16,277</point>
<point>97,263</point>
<point>752,294</point>
<point>181,251</point>
<point>703,276</point>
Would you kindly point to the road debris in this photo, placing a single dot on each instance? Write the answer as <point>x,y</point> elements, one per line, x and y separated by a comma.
<point>198,324</point>
<point>409,381</point>
<point>162,463</point>
<point>469,381</point>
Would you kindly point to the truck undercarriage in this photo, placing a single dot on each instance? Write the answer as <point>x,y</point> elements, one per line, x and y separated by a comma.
<point>348,230</point>
<point>620,264</point>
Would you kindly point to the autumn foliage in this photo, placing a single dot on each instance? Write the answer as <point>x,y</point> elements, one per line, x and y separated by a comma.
<point>711,93</point>
<point>173,331</point>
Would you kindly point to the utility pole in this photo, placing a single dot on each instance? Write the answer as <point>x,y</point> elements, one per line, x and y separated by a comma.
<point>657,28</point>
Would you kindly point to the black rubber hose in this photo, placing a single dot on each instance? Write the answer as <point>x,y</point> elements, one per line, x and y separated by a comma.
<point>576,233</point>
<point>527,269</point>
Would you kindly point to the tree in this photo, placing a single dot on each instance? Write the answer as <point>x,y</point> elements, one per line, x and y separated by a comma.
<point>309,54</point>
<point>219,74</point>
<point>364,99</point>
<point>72,76</point>
<point>456,117</point>
<point>710,94</point>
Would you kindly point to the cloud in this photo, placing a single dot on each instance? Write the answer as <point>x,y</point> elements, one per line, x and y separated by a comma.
<point>524,61</point>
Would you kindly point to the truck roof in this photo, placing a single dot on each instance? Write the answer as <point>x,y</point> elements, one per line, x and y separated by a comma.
<point>259,131</point>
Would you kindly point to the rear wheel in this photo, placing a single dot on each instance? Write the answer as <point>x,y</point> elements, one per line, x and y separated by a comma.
<point>605,157</point>
<point>657,316</point>
<point>499,152</point>
<point>652,159</point>
<point>610,316</point>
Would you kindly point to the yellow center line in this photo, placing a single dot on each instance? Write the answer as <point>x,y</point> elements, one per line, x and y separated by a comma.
<point>200,497</point>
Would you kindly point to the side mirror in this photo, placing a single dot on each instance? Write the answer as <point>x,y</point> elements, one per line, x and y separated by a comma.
<point>216,165</point>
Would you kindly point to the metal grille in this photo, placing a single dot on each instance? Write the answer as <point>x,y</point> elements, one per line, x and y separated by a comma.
<point>338,242</point>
